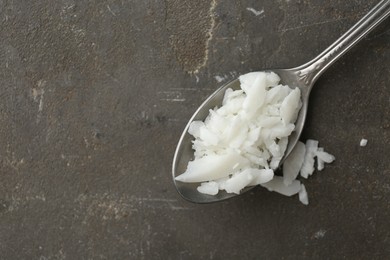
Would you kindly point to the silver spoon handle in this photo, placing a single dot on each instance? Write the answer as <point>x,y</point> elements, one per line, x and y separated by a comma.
<point>310,71</point>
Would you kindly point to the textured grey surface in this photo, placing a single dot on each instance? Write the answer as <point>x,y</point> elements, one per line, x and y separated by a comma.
<point>94,96</point>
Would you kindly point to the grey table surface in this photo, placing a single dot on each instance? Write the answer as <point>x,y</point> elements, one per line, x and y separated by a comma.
<point>94,96</point>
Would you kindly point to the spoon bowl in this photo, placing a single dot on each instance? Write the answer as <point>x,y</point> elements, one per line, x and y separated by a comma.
<point>302,77</point>
<point>184,152</point>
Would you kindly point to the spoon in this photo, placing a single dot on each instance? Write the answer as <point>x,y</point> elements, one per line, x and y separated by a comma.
<point>302,77</point>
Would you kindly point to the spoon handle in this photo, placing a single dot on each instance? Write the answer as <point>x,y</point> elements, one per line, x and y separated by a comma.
<point>309,72</point>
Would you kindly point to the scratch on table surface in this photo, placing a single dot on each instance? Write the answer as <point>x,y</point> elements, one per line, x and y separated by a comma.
<point>179,208</point>
<point>184,89</point>
<point>173,99</point>
<point>312,24</point>
<point>225,38</point>
<point>113,207</point>
<point>254,11</point>
<point>171,96</point>
<point>109,9</point>
<point>152,199</point>
<point>16,201</point>
<point>175,120</point>
<point>66,8</point>
<point>12,161</point>
<point>224,77</point>
<point>38,93</point>
<point>193,89</point>
<point>197,78</point>
<point>40,106</point>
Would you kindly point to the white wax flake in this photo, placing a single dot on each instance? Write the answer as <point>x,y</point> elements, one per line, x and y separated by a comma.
<point>212,167</point>
<point>238,181</point>
<point>303,197</point>
<point>320,163</point>
<point>293,163</point>
<point>277,185</point>
<point>210,188</point>
<point>308,163</point>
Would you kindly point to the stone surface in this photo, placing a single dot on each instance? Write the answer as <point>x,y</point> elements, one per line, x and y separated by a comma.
<point>94,96</point>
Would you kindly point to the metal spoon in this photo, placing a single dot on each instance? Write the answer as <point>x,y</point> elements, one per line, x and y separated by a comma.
<point>302,77</point>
